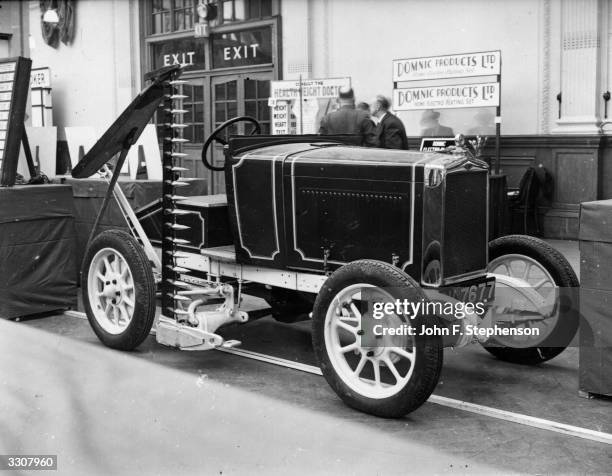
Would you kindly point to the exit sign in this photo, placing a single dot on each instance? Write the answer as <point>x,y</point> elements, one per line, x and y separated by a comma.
<point>242,48</point>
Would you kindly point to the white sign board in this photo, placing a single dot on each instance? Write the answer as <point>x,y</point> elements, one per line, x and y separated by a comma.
<point>318,97</point>
<point>281,118</point>
<point>43,145</point>
<point>40,78</point>
<point>152,156</point>
<point>311,88</point>
<point>446,97</point>
<point>486,63</point>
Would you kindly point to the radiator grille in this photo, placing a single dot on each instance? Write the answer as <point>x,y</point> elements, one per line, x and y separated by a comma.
<point>354,224</point>
<point>465,225</point>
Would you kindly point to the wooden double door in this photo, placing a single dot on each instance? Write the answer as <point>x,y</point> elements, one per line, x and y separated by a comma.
<point>212,100</point>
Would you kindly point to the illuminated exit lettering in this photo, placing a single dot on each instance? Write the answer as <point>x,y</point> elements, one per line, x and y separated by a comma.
<point>240,52</point>
<point>183,59</point>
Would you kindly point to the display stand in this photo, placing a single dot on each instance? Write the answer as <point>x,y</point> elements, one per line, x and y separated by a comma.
<point>37,237</point>
<point>14,88</point>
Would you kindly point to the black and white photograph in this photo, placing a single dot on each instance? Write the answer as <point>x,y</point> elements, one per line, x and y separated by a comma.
<point>305,237</point>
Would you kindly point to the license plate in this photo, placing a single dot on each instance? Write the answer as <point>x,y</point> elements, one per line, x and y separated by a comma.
<point>482,291</point>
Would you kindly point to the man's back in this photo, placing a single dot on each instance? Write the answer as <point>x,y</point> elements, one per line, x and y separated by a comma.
<point>348,120</point>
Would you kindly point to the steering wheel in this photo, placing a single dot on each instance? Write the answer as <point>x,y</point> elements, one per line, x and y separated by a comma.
<point>217,131</point>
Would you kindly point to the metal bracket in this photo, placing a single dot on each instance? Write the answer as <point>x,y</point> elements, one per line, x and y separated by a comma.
<point>200,333</point>
<point>326,255</point>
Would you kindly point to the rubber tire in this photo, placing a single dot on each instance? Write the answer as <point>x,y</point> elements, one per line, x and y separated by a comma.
<point>429,349</point>
<point>564,276</point>
<point>289,306</point>
<point>144,287</point>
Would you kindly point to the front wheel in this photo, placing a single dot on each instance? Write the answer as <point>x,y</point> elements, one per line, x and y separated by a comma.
<point>541,270</point>
<point>388,375</point>
<point>118,290</point>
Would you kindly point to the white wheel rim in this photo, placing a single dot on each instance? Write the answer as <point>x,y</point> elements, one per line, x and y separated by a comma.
<point>111,291</point>
<point>373,372</point>
<point>538,278</point>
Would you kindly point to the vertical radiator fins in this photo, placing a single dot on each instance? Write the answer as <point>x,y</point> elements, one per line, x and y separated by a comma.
<point>170,115</point>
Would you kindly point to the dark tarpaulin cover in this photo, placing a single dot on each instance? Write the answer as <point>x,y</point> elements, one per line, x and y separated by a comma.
<point>37,243</point>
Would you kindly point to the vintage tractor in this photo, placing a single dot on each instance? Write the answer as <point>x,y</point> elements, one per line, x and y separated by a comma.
<point>386,251</point>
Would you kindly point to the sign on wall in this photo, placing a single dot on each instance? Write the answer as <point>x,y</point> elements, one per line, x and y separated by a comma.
<point>242,48</point>
<point>187,52</point>
<point>42,108</point>
<point>283,121</point>
<point>40,78</point>
<point>299,105</point>
<point>431,97</point>
<point>310,88</point>
<point>487,63</point>
<point>446,97</point>
<point>436,144</point>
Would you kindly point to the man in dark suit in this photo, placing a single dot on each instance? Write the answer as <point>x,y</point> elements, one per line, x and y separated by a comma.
<point>390,130</point>
<point>348,120</point>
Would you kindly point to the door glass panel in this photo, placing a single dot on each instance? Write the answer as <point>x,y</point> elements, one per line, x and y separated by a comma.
<point>194,117</point>
<point>198,134</point>
<point>232,109</point>
<point>198,94</point>
<point>219,92</point>
<point>256,94</point>
<point>232,89</point>
<point>263,89</point>
<point>250,108</point>
<point>250,89</point>
<point>157,22</point>
<point>264,110</point>
<point>219,112</point>
<point>226,104</point>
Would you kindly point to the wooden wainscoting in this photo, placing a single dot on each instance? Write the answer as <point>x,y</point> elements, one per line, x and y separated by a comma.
<point>580,165</point>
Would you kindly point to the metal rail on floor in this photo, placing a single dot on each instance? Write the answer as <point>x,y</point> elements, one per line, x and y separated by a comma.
<point>549,425</point>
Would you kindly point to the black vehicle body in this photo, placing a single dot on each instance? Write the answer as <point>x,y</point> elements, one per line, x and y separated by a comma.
<point>315,206</point>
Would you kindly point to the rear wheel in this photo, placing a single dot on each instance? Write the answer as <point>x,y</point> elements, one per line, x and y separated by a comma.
<point>118,290</point>
<point>388,375</point>
<point>544,270</point>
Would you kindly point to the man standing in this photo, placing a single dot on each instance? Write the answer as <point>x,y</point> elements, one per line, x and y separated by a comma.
<point>348,120</point>
<point>390,131</point>
<point>431,125</point>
